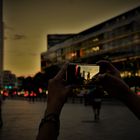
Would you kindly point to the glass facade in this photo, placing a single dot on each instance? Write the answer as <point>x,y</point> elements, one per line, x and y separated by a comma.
<point>117,39</point>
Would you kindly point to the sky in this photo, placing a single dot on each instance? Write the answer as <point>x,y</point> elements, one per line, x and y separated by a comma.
<point>27,23</point>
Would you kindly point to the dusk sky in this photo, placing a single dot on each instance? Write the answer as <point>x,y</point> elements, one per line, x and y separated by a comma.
<point>27,23</point>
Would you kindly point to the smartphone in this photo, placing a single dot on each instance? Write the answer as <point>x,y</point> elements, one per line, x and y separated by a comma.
<point>80,74</point>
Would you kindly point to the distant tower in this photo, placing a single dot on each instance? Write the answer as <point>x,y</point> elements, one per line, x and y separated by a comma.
<point>1,36</point>
<point>1,44</point>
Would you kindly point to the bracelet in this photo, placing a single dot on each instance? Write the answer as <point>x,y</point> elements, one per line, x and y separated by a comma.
<point>52,117</point>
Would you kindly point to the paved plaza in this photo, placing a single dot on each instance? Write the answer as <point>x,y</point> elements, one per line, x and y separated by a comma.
<point>21,119</point>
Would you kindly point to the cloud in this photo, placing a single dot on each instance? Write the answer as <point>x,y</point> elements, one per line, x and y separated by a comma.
<point>19,37</point>
<point>7,27</point>
<point>9,33</point>
<point>15,37</point>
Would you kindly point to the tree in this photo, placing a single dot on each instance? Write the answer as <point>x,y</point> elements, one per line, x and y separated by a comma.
<point>38,82</point>
<point>28,84</point>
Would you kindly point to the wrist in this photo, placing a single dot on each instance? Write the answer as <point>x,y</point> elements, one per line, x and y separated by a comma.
<point>125,94</point>
<point>54,108</point>
<point>52,121</point>
<point>55,105</point>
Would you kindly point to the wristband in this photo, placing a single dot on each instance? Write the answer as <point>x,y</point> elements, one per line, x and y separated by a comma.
<point>50,118</point>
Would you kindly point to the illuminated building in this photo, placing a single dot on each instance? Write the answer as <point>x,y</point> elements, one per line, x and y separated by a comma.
<point>117,39</point>
<point>52,40</point>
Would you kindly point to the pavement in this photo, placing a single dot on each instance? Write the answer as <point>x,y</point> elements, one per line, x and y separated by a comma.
<point>21,119</point>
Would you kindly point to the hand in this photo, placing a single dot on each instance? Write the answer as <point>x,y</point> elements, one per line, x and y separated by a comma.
<point>111,79</point>
<point>114,84</point>
<point>58,91</point>
<point>107,67</point>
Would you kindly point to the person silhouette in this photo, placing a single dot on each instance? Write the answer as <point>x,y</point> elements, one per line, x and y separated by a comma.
<point>96,95</point>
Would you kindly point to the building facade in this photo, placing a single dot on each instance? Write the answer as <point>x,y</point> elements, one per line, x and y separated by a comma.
<point>117,39</point>
<point>53,39</point>
<point>9,80</point>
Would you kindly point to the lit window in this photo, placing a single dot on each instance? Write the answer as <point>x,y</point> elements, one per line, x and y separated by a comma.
<point>97,48</point>
<point>95,39</point>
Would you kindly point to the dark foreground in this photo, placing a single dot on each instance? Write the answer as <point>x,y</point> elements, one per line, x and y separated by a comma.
<point>21,119</point>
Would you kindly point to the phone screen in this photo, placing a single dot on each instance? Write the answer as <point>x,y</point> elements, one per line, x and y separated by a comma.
<point>88,71</point>
<point>81,73</point>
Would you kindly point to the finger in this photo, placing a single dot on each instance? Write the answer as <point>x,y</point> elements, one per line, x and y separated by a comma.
<point>62,72</point>
<point>109,81</point>
<point>113,84</point>
<point>107,66</point>
<point>69,89</point>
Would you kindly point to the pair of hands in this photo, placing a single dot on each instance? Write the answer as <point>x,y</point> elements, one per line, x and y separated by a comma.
<point>58,90</point>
